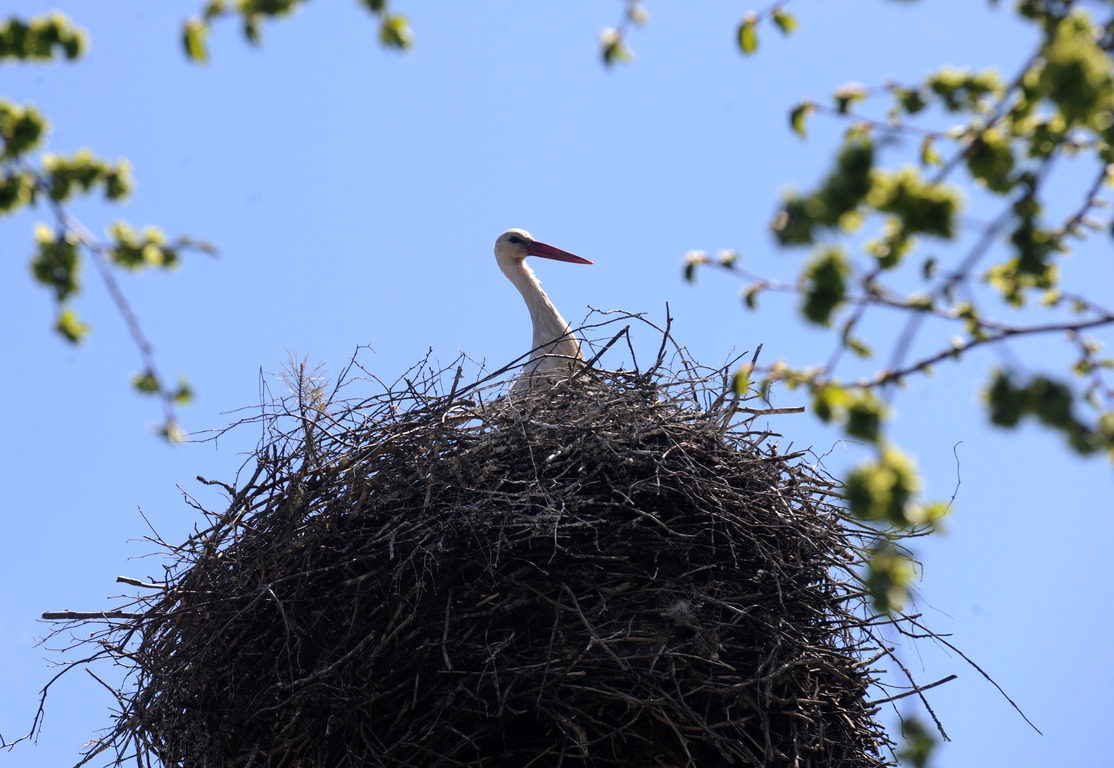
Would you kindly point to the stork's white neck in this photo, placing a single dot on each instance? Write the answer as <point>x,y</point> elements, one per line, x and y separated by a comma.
<point>551,333</point>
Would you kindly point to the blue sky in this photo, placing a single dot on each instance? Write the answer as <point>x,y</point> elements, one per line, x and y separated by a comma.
<point>354,195</point>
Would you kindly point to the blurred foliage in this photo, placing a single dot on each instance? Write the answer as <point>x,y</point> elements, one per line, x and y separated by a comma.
<point>982,284</point>
<point>915,160</point>
<point>919,743</point>
<point>747,32</point>
<point>394,28</point>
<point>31,178</point>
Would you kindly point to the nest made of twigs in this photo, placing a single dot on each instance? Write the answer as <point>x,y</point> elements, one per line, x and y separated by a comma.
<point>617,572</point>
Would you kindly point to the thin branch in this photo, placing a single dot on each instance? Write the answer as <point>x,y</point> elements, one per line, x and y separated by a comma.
<point>912,691</point>
<point>892,375</point>
<point>97,253</point>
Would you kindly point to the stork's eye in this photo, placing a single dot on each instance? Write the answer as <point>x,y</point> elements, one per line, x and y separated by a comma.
<point>516,239</point>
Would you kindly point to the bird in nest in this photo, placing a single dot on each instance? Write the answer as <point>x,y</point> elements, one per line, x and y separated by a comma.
<point>555,351</point>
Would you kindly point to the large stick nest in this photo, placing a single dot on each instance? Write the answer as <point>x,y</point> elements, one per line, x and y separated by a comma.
<point>617,572</point>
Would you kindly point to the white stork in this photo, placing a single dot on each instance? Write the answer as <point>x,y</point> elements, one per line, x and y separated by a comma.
<point>555,348</point>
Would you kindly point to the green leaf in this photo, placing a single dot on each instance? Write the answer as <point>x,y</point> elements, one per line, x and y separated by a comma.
<point>194,33</point>
<point>118,182</point>
<point>748,35</point>
<point>797,117</point>
<point>889,577</point>
<point>41,38</point>
<point>394,32</point>
<point>825,285</point>
<point>929,155</point>
<point>70,327</point>
<point>21,129</point>
<point>614,51</point>
<point>990,160</point>
<point>56,263</point>
<point>848,95</point>
<point>911,100</point>
<point>785,21</point>
<point>172,432</point>
<point>184,393</point>
<point>864,417</point>
<point>146,382</point>
<point>829,401</point>
<point>921,207</point>
<point>637,13</point>
<point>920,743</point>
<point>1075,71</point>
<point>883,489</point>
<point>17,189</point>
<point>693,260</point>
<point>251,29</point>
<point>858,347</point>
<point>740,382</point>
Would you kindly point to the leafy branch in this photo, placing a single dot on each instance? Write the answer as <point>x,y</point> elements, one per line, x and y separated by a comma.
<point>30,178</point>
<point>613,39</point>
<point>394,28</point>
<point>1006,150</point>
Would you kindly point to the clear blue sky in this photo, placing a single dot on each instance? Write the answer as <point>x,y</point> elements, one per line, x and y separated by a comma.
<point>355,195</point>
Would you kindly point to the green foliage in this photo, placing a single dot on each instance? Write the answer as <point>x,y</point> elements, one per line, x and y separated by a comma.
<point>846,96</point>
<point>865,414</point>
<point>194,34</point>
<point>614,49</point>
<point>919,743</point>
<point>69,327</point>
<point>892,245</point>
<point>825,285</point>
<point>797,117</point>
<point>82,171</point>
<point>394,28</point>
<point>693,260</point>
<point>41,39</point>
<point>1001,143</point>
<point>889,577</point>
<point>1073,71</point>
<point>860,411</point>
<point>840,194</point>
<point>1052,403</point>
<point>884,489</point>
<point>747,34</point>
<point>394,32</point>
<point>921,207</point>
<point>1033,244</point>
<point>990,159</point>
<point>961,90</point>
<point>784,20</point>
<point>910,100</point>
<point>21,130</point>
<point>136,252</point>
<point>17,189</point>
<point>929,155</point>
<point>56,263</point>
<point>740,382</point>
<point>1015,283</point>
<point>53,180</point>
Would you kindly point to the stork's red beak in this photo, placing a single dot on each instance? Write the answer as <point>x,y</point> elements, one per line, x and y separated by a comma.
<point>549,252</point>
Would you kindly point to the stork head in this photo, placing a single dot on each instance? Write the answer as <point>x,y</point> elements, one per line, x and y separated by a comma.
<point>516,244</point>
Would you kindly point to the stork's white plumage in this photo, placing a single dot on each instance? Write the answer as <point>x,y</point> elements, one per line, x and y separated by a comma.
<point>555,348</point>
